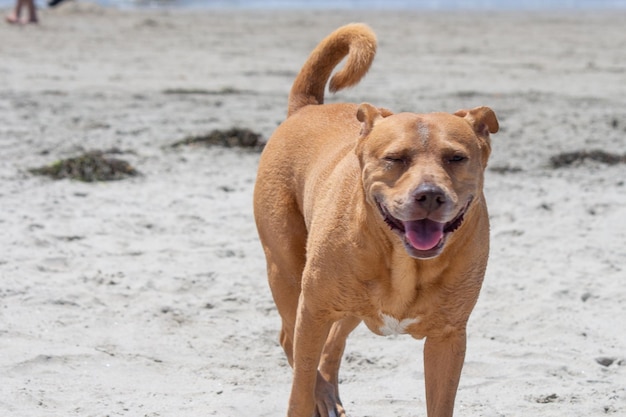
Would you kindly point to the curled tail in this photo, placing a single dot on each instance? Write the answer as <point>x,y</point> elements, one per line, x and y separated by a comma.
<point>355,40</point>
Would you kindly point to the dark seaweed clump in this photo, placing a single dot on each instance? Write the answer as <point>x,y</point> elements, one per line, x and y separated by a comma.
<point>90,167</point>
<point>232,138</point>
<point>576,158</point>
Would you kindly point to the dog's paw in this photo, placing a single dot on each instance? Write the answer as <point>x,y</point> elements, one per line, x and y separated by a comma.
<point>326,399</point>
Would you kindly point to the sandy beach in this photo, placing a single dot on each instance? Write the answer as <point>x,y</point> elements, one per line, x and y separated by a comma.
<point>147,296</point>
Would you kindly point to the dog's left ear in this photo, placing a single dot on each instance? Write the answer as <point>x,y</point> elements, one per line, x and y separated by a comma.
<point>369,115</point>
<point>482,119</point>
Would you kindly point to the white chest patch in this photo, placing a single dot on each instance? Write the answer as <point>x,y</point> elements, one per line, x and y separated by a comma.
<point>393,326</point>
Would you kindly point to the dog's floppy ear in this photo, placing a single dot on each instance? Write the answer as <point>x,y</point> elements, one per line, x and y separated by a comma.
<point>482,119</point>
<point>369,115</point>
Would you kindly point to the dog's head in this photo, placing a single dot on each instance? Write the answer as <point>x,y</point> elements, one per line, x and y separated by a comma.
<point>422,172</point>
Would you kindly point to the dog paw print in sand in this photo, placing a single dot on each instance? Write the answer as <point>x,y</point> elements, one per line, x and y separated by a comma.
<point>231,138</point>
<point>91,166</point>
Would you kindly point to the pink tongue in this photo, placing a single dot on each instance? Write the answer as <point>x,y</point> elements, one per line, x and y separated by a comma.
<point>423,234</point>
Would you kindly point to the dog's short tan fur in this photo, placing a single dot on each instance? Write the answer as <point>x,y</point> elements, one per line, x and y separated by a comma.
<point>370,216</point>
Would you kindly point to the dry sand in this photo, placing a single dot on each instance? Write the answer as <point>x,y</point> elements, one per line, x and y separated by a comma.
<point>147,296</point>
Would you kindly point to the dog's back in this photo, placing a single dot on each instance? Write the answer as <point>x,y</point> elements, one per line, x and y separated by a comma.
<point>309,126</point>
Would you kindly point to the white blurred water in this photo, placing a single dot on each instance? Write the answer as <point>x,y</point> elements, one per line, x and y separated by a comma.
<point>352,4</point>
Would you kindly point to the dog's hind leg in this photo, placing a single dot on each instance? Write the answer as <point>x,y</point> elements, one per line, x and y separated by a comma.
<point>284,241</point>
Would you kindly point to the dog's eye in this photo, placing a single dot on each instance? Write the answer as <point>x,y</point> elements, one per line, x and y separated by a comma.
<point>395,159</point>
<point>456,158</point>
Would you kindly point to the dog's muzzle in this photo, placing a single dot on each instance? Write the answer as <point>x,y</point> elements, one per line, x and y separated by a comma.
<point>423,238</point>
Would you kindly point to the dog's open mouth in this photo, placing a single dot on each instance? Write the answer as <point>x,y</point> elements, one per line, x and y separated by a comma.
<point>424,237</point>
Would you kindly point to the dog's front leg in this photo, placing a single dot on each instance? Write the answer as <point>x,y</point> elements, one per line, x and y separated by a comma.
<point>310,334</point>
<point>443,361</point>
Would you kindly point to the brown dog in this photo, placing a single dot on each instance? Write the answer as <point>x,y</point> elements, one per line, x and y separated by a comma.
<point>365,215</point>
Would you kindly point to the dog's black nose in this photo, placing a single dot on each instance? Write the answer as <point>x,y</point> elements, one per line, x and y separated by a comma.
<point>429,197</point>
